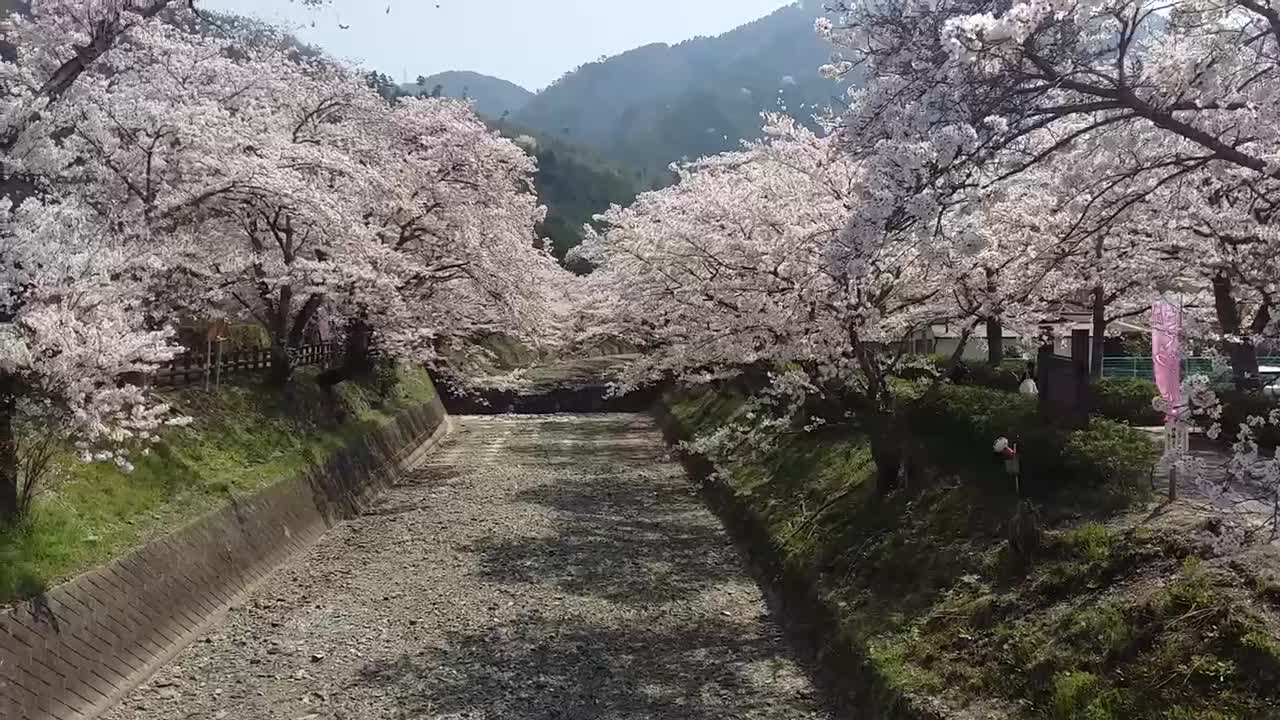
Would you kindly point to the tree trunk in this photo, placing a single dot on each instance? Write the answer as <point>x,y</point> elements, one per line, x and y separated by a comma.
<point>356,360</point>
<point>359,343</point>
<point>281,365</point>
<point>297,333</point>
<point>9,505</point>
<point>995,330</point>
<point>1098,342</point>
<point>1239,348</point>
<point>995,341</point>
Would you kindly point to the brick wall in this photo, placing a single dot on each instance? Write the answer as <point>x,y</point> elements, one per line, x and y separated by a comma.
<point>75,651</point>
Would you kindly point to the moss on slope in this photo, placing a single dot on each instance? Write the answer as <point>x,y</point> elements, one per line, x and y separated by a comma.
<point>1133,614</point>
<point>242,438</point>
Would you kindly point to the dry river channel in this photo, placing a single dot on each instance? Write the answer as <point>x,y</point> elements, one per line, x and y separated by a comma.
<point>534,568</point>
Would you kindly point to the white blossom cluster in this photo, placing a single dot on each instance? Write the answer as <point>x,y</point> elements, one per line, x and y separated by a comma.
<point>173,168</point>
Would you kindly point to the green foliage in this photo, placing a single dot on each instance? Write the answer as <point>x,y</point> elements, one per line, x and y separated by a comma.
<point>657,104</point>
<point>1082,558</point>
<point>1192,590</point>
<point>1080,696</point>
<point>1260,655</point>
<point>575,184</point>
<point>1115,619</point>
<point>1127,400</point>
<point>1006,376</point>
<point>958,424</point>
<point>242,438</point>
<point>1237,407</point>
<point>1110,453</point>
<point>1182,713</point>
<point>491,96</point>
<point>384,85</point>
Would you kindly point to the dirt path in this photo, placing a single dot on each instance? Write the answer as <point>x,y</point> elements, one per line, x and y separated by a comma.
<point>1209,483</point>
<point>556,567</point>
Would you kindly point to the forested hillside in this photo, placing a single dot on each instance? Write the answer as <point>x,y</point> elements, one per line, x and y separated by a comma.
<point>659,103</point>
<point>610,129</point>
<point>492,96</point>
<point>574,183</point>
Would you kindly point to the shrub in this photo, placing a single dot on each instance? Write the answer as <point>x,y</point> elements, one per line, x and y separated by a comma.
<point>1080,696</point>
<point>1007,376</point>
<point>1111,452</point>
<point>1127,400</point>
<point>1238,406</point>
<point>958,424</point>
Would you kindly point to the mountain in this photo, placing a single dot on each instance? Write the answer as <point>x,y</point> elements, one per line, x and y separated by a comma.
<point>609,129</point>
<point>575,183</point>
<point>493,96</point>
<point>659,103</point>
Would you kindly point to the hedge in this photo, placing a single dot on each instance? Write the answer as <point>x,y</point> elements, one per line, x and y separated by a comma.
<point>959,424</point>
<point>1127,400</point>
<point>1237,407</point>
<point>1005,376</point>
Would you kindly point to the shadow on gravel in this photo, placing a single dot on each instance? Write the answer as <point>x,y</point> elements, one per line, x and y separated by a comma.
<point>632,544</point>
<point>543,669</point>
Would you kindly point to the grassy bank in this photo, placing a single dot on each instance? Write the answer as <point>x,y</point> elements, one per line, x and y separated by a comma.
<point>1127,609</point>
<point>242,438</point>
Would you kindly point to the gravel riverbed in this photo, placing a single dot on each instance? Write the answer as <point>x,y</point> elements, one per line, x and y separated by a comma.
<point>549,568</point>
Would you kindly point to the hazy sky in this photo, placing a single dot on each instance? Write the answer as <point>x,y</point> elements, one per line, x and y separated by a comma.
<point>529,42</point>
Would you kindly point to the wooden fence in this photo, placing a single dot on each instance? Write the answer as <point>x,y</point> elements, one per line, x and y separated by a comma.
<point>193,368</point>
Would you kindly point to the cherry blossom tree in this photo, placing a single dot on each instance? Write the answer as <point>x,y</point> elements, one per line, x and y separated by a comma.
<point>282,183</point>
<point>787,252</point>
<point>75,334</point>
<point>1008,261</point>
<point>72,330</point>
<point>181,172</point>
<point>235,156</point>
<point>453,234</point>
<point>1188,86</point>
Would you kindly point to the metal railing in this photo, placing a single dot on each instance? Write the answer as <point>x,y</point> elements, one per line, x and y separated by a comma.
<point>192,368</point>
<point>1143,367</point>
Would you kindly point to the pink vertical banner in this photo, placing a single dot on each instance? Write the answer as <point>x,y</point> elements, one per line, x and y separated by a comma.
<point>1166,354</point>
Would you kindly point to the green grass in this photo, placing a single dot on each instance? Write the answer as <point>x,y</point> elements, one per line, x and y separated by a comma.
<point>242,438</point>
<point>1118,614</point>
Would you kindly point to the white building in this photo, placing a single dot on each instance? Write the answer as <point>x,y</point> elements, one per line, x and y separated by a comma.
<point>942,338</point>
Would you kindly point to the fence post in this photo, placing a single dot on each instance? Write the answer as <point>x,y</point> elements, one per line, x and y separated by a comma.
<point>217,382</point>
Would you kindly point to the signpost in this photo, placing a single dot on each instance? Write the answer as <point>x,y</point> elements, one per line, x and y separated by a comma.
<point>1166,358</point>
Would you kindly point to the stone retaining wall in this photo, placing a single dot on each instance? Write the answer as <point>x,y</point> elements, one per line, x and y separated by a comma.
<point>74,651</point>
